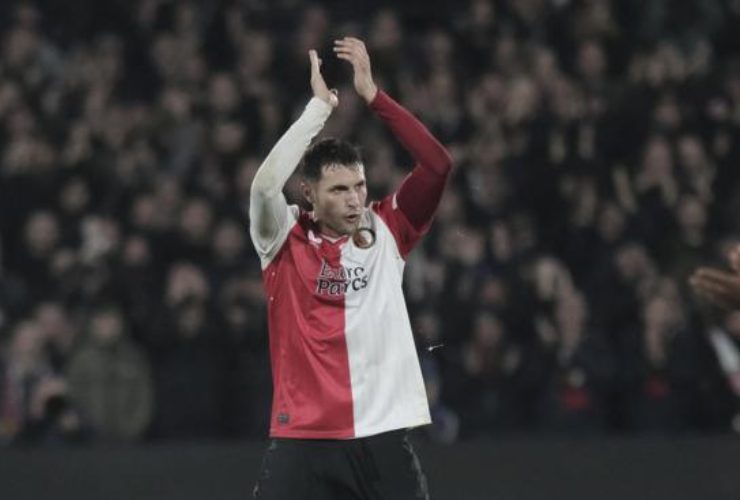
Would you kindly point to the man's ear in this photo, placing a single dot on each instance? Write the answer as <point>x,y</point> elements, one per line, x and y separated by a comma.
<point>307,191</point>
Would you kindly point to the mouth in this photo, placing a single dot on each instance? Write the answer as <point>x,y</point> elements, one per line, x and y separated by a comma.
<point>352,218</point>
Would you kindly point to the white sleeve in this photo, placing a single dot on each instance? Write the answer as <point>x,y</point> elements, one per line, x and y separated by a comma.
<point>270,217</point>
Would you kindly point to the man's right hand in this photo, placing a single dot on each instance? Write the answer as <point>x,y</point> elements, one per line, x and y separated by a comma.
<point>318,85</point>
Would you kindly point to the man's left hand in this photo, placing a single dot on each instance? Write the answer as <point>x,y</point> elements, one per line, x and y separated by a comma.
<point>353,50</point>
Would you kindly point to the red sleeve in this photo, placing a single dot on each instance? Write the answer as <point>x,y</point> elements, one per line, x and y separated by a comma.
<point>419,194</point>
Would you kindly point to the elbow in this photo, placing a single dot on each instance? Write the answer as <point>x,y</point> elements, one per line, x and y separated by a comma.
<point>261,187</point>
<point>443,163</point>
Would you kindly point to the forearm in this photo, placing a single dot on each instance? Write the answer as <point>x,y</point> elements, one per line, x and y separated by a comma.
<point>412,134</point>
<point>420,193</point>
<point>284,157</point>
<point>267,205</point>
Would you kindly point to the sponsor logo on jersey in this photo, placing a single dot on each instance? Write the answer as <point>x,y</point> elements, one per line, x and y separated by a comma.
<point>337,281</point>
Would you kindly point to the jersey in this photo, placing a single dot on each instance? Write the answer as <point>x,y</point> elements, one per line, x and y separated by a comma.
<point>343,357</point>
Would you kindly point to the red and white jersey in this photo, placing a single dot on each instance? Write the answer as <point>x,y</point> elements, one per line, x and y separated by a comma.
<point>343,356</point>
<point>344,360</point>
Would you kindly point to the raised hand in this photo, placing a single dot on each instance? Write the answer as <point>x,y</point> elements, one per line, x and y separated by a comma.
<point>720,287</point>
<point>318,85</point>
<point>353,51</point>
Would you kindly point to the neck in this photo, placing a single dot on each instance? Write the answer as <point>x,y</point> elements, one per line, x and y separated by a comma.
<point>328,232</point>
<point>325,230</point>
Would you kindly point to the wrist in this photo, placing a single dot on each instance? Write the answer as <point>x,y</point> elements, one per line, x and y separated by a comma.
<point>370,94</point>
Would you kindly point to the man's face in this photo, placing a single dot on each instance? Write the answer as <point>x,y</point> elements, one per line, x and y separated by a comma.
<point>338,198</point>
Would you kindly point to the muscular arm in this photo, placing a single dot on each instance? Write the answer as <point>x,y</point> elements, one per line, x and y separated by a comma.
<point>420,193</point>
<point>268,209</point>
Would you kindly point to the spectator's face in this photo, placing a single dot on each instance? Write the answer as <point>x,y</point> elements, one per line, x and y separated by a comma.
<point>75,196</point>
<point>427,327</point>
<point>21,123</point>
<point>386,30</point>
<point>186,281</point>
<point>54,323</point>
<point>256,55</point>
<point>501,244</point>
<point>487,331</point>
<point>522,100</point>
<point>20,46</point>
<point>228,137</point>
<point>136,252</point>
<point>658,158</point>
<point>632,262</point>
<point>591,60</point>
<point>691,152</point>
<point>237,317</point>
<point>314,24</point>
<point>143,212</point>
<point>99,236</point>
<point>442,86</point>
<point>106,326</point>
<point>571,316</point>
<point>692,215</point>
<point>196,219</point>
<point>42,233</point>
<point>176,103</point>
<point>661,315</point>
<point>611,223</point>
<point>27,342</point>
<point>668,113</point>
<point>545,66</point>
<point>493,292</point>
<point>552,279</point>
<point>223,95</point>
<point>471,247</point>
<point>229,241</point>
<point>338,198</point>
<point>169,196</point>
<point>482,12</point>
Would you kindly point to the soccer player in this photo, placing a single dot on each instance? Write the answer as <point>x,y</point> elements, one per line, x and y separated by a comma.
<point>347,382</point>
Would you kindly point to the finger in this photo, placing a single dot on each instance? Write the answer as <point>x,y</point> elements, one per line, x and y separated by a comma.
<point>708,287</point>
<point>705,278</point>
<point>710,291</point>
<point>347,57</point>
<point>350,44</point>
<point>315,61</point>
<point>717,276</point>
<point>345,50</point>
<point>354,40</point>
<point>349,49</point>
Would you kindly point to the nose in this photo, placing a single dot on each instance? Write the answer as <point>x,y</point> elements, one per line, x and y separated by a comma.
<point>353,199</point>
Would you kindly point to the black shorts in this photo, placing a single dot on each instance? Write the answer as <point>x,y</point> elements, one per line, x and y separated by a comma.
<point>372,468</point>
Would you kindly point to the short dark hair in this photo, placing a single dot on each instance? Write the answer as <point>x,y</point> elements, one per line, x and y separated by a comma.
<point>328,151</point>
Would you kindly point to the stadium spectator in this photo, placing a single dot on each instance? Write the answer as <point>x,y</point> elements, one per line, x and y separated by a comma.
<point>602,135</point>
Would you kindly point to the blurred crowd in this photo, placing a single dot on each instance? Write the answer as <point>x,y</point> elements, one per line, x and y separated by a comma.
<point>596,145</point>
